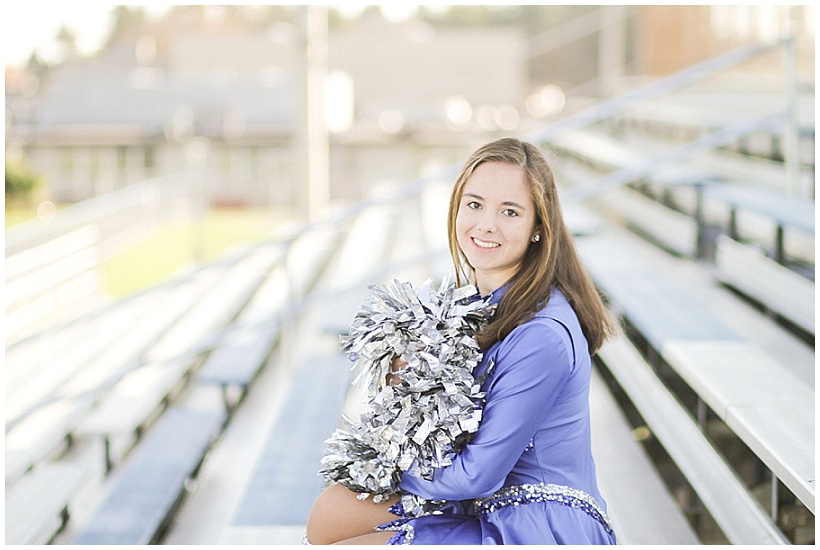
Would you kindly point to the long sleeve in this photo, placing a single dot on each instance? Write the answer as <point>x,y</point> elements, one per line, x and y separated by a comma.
<point>532,365</point>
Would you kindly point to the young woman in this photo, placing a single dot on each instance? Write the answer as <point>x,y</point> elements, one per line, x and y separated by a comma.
<point>528,476</point>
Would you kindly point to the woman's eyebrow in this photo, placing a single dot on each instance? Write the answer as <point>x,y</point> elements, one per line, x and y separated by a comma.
<point>513,204</point>
<point>505,203</point>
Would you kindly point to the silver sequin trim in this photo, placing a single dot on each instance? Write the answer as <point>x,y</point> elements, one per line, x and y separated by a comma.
<point>405,532</point>
<point>543,492</point>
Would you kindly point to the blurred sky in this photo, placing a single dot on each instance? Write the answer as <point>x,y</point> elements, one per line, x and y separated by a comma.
<point>32,25</point>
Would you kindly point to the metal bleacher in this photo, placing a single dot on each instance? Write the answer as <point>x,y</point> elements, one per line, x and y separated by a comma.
<point>702,410</point>
<point>716,365</point>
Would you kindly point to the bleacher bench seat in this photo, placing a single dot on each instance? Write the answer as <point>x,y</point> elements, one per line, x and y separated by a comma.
<point>628,480</point>
<point>147,490</point>
<point>741,519</point>
<point>38,505</point>
<point>734,377</point>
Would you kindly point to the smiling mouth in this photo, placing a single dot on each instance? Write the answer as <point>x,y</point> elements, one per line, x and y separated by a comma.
<point>484,244</point>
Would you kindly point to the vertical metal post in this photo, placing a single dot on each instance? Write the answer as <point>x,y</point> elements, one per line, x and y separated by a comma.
<point>226,401</point>
<point>791,145</point>
<point>701,412</point>
<point>196,154</point>
<point>699,219</point>
<point>612,50</point>
<point>109,463</point>
<point>779,245</point>
<point>318,154</point>
<point>733,232</point>
<point>775,498</point>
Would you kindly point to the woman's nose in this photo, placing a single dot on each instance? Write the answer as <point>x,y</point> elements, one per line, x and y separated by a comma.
<point>487,222</point>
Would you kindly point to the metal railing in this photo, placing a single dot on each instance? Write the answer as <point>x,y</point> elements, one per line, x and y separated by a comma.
<point>112,213</point>
<point>783,121</point>
<point>610,108</point>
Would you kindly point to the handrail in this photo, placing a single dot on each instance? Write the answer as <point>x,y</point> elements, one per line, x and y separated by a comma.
<point>673,82</point>
<point>144,195</point>
<point>703,144</point>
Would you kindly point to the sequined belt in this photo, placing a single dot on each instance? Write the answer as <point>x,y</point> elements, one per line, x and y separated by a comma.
<point>529,493</point>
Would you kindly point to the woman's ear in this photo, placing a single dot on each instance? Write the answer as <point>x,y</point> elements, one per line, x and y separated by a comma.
<point>537,232</point>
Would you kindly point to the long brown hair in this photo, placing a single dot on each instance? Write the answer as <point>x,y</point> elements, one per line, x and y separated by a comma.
<point>552,261</point>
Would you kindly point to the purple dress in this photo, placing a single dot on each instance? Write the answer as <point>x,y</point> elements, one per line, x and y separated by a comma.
<point>528,476</point>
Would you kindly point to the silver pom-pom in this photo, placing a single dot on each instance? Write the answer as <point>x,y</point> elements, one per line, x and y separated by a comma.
<point>433,405</point>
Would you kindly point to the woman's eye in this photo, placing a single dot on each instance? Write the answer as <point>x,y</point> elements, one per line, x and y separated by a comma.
<point>510,212</point>
<point>474,205</point>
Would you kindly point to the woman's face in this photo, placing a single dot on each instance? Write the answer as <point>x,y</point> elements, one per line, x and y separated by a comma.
<point>495,222</point>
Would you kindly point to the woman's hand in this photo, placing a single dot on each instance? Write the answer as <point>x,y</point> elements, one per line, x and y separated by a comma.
<point>337,515</point>
<point>397,365</point>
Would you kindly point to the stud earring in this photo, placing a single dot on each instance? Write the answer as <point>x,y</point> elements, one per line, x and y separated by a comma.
<point>536,238</point>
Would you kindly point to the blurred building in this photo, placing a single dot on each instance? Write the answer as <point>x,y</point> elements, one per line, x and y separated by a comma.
<point>227,104</point>
<point>420,97</point>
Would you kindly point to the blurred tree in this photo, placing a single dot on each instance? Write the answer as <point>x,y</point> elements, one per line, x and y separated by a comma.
<point>67,40</point>
<point>20,184</point>
<point>129,22</point>
<point>36,66</point>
